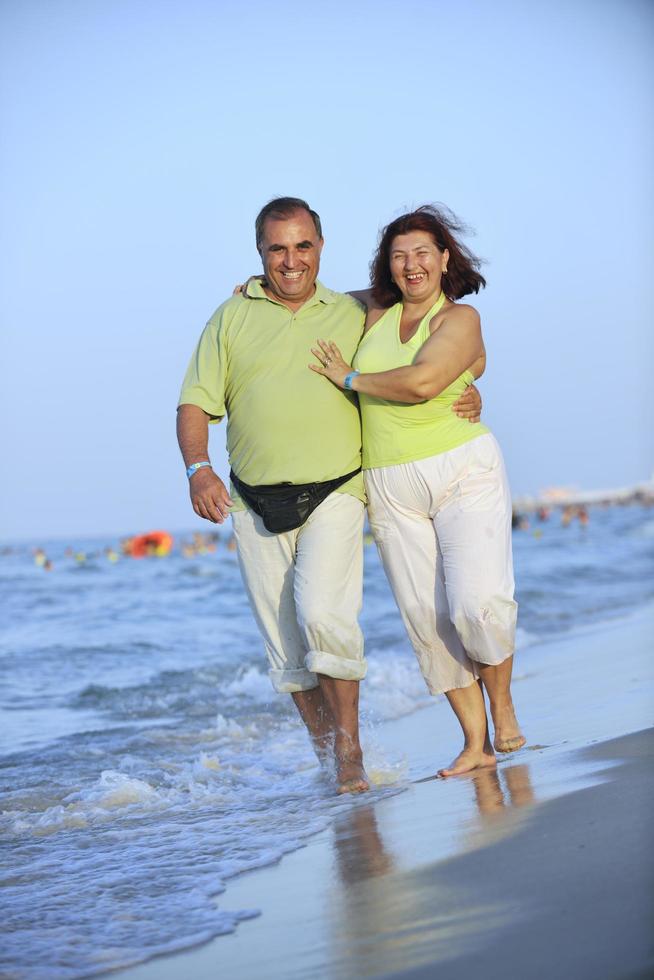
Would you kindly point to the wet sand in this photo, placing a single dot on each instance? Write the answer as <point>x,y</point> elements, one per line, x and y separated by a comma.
<point>542,869</point>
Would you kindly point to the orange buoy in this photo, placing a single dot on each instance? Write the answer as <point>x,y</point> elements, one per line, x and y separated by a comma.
<point>157,543</point>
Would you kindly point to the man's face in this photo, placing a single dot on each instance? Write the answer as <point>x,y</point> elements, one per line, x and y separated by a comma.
<point>290,251</point>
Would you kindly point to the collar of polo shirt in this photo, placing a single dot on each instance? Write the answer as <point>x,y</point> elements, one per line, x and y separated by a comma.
<point>255,290</point>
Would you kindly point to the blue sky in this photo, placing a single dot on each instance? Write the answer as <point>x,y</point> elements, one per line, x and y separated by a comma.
<point>140,140</point>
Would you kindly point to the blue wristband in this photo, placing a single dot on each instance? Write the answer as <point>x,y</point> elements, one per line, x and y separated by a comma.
<point>194,467</point>
<point>349,379</point>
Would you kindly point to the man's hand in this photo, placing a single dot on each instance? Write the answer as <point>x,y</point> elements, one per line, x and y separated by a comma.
<point>468,406</point>
<point>209,496</point>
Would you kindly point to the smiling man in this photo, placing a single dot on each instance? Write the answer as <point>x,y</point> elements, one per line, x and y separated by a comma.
<point>286,426</point>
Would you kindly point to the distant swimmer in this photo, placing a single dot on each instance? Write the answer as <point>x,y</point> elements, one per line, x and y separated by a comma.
<point>519,522</point>
<point>40,557</point>
<point>41,560</point>
<point>566,516</point>
<point>574,511</point>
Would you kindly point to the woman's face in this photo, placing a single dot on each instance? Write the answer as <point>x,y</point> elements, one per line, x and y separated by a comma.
<point>417,265</point>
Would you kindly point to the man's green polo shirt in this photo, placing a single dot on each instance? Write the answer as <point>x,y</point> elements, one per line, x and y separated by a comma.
<point>285,423</point>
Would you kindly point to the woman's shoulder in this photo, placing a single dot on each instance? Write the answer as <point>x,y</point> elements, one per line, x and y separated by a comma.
<point>461,314</point>
<point>462,310</point>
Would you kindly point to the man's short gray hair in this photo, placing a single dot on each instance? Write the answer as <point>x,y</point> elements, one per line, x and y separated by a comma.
<point>280,208</point>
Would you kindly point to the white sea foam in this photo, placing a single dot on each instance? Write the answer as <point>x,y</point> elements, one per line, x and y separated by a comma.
<point>250,683</point>
<point>393,687</point>
<point>113,794</point>
<point>230,729</point>
<point>112,790</point>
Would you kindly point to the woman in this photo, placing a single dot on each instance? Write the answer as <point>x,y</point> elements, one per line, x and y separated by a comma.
<point>439,504</point>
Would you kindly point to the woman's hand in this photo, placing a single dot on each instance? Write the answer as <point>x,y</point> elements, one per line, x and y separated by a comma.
<point>331,364</point>
<point>242,287</point>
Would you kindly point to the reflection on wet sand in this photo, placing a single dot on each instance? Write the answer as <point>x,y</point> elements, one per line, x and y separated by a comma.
<point>500,795</point>
<point>359,847</point>
<point>385,919</point>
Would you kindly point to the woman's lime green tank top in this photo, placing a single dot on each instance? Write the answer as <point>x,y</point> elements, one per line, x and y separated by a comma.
<point>394,432</point>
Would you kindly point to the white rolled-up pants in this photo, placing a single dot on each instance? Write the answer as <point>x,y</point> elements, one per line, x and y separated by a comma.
<point>305,591</point>
<point>442,526</point>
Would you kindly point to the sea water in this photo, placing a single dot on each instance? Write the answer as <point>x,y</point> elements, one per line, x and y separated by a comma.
<point>145,760</point>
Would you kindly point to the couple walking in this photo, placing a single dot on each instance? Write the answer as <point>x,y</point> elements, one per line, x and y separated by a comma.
<point>389,391</point>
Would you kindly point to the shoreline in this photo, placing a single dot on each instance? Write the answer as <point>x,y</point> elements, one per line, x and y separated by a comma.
<point>535,889</point>
<point>536,870</point>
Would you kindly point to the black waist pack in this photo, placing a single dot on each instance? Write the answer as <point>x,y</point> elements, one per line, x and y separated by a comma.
<point>285,506</point>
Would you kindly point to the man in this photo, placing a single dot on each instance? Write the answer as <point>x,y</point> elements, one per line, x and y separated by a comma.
<point>286,424</point>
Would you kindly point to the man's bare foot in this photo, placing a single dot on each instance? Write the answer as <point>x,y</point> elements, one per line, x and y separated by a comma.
<point>351,776</point>
<point>508,736</point>
<point>469,760</point>
<point>348,757</point>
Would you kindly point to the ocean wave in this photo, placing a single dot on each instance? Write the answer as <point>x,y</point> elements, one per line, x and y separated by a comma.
<point>393,687</point>
<point>192,693</point>
<point>250,683</point>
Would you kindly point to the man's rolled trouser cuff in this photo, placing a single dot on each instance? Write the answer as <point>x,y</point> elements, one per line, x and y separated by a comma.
<point>292,681</point>
<point>340,668</point>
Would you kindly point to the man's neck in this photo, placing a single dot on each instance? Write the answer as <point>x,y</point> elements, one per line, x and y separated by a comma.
<point>291,305</point>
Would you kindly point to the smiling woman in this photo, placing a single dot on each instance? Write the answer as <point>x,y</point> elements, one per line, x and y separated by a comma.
<point>438,498</point>
<point>459,271</point>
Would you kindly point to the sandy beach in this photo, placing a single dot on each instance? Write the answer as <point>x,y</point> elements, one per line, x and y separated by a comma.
<point>541,869</point>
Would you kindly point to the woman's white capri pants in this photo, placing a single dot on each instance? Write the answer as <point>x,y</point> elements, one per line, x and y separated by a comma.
<point>443,529</point>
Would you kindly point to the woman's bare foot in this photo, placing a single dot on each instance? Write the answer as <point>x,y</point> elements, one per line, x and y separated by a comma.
<point>509,744</point>
<point>469,760</point>
<point>508,736</point>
